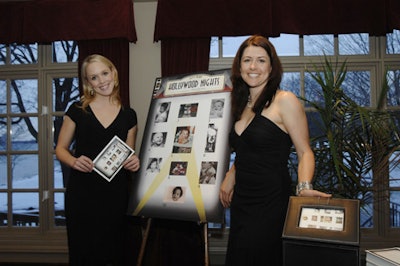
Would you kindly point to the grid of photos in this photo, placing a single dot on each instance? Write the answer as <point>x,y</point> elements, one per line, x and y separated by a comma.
<point>109,161</point>
<point>184,117</point>
<point>322,218</point>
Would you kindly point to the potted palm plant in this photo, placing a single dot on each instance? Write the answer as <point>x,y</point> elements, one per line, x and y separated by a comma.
<point>354,142</point>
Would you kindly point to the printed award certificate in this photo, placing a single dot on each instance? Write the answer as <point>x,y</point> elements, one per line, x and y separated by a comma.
<point>109,161</point>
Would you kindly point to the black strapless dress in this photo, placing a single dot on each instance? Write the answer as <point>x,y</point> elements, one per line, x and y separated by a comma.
<point>261,194</point>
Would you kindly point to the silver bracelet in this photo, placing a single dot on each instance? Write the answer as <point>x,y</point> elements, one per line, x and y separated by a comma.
<point>302,186</point>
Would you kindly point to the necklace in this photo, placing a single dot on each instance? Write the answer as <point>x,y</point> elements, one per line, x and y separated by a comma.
<point>249,104</point>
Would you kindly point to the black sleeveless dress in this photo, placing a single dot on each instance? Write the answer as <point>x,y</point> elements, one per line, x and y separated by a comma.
<point>261,194</point>
<point>97,224</point>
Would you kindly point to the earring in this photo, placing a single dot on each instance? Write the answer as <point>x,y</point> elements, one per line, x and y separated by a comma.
<point>91,92</point>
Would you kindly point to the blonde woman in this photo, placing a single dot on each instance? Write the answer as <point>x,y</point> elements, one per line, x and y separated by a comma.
<point>95,208</point>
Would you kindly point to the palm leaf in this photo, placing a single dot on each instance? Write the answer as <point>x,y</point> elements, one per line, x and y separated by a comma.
<point>356,142</point>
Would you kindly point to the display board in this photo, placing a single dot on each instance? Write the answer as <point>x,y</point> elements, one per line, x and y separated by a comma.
<point>185,148</point>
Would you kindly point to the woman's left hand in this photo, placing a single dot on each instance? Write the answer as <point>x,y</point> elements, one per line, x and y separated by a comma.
<point>314,193</point>
<point>132,163</point>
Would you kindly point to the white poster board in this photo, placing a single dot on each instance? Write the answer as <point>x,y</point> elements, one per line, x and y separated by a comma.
<point>185,149</point>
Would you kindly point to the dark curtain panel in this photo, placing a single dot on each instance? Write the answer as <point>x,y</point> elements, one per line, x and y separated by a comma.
<point>206,18</point>
<point>173,242</point>
<point>117,50</point>
<point>180,56</point>
<point>11,23</point>
<point>187,19</point>
<point>394,15</point>
<point>308,17</point>
<point>49,20</point>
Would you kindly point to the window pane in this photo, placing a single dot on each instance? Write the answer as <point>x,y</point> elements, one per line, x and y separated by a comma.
<point>59,213</point>
<point>3,133</point>
<point>291,82</point>
<point>3,97</point>
<point>394,175</point>
<point>314,121</point>
<point>3,172</point>
<point>318,45</point>
<point>25,171</point>
<point>24,134</point>
<point>61,173</point>
<point>230,45</point>
<point>312,90</point>
<point>287,45</point>
<point>395,208</point>
<point>3,209</point>
<point>24,96</point>
<point>366,211</point>
<point>354,44</point>
<point>65,51</point>
<point>25,209</point>
<point>3,56</point>
<point>65,92</point>
<point>393,42</point>
<point>24,54</point>
<point>214,47</point>
<point>393,96</point>
<point>357,85</point>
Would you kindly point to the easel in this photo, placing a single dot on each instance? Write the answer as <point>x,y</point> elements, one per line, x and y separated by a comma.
<point>146,235</point>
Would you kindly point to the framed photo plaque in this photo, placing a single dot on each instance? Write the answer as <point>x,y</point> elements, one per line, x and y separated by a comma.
<point>323,219</point>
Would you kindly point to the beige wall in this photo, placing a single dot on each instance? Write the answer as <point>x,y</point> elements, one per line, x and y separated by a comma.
<point>145,63</point>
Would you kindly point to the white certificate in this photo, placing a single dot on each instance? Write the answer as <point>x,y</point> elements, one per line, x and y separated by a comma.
<point>110,159</point>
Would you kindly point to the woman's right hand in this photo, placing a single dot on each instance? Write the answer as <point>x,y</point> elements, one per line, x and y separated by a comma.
<point>83,164</point>
<point>226,189</point>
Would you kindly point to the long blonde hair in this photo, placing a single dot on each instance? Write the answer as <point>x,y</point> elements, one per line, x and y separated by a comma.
<point>88,94</point>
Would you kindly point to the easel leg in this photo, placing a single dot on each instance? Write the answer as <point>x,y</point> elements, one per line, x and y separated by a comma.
<point>205,232</point>
<point>144,241</point>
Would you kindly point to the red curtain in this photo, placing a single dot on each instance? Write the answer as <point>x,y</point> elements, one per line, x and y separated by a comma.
<point>206,18</point>
<point>188,19</point>
<point>117,50</point>
<point>330,17</point>
<point>51,20</point>
<point>394,15</point>
<point>180,56</point>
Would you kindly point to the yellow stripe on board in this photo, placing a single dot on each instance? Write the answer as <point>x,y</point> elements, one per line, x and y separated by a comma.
<point>192,175</point>
<point>164,172</point>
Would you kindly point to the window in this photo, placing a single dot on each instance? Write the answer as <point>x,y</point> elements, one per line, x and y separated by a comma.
<point>37,84</point>
<point>368,60</point>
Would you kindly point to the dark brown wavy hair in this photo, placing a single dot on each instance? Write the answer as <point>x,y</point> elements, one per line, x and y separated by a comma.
<point>240,92</point>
